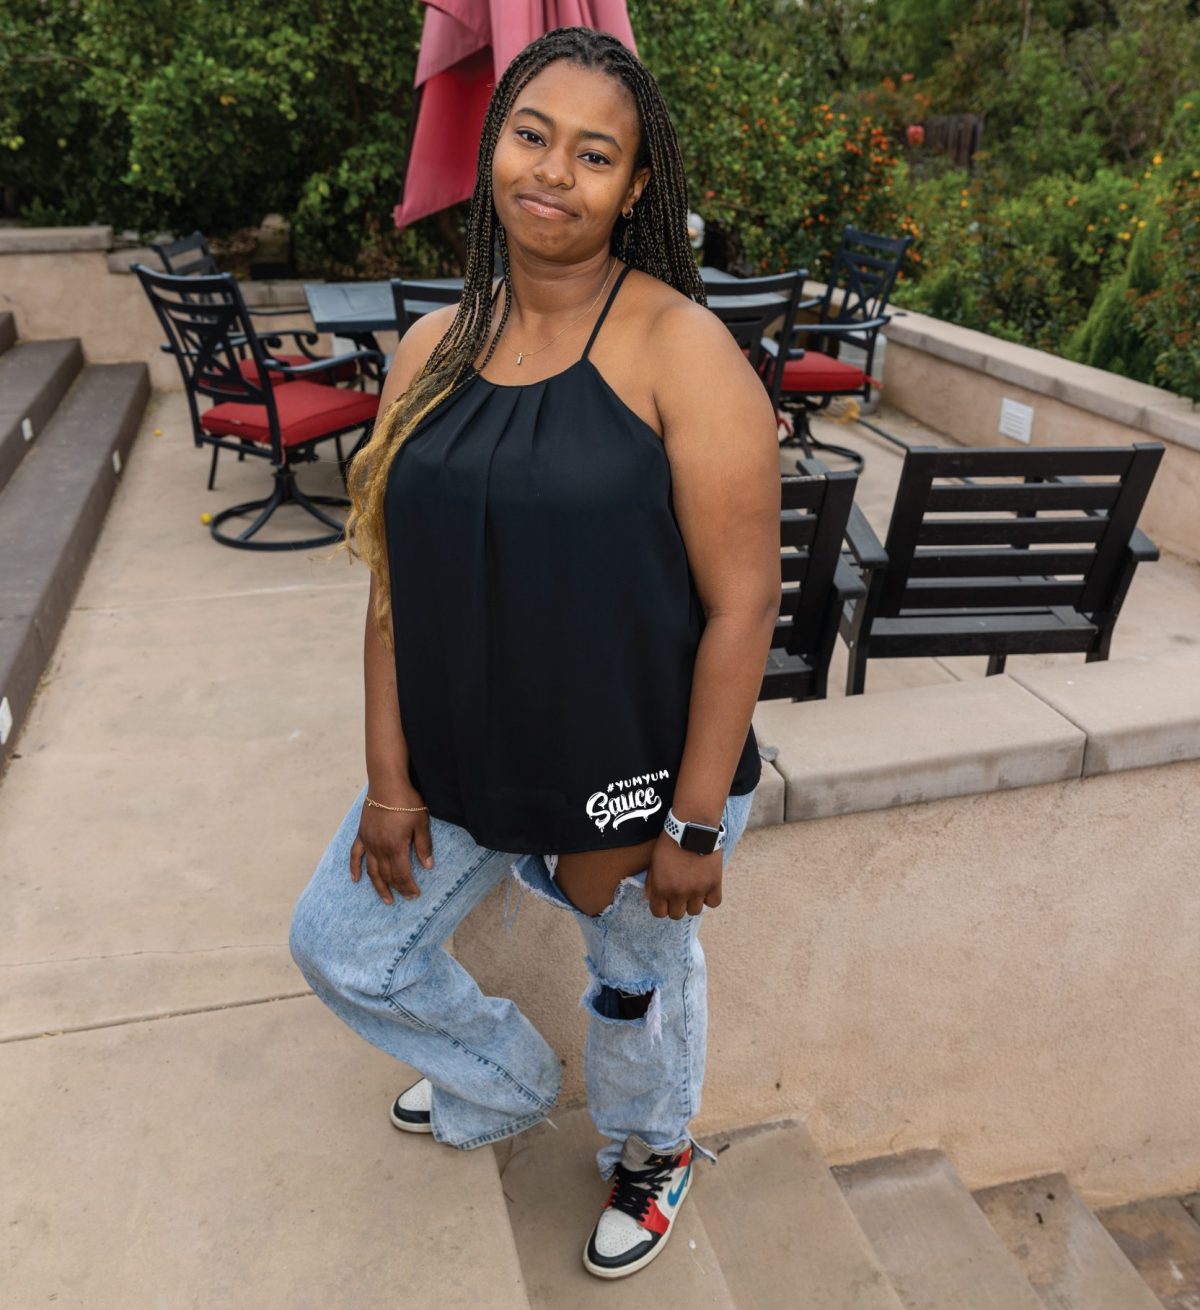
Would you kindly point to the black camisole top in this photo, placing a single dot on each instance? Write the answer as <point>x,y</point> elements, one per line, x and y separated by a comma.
<point>545,617</point>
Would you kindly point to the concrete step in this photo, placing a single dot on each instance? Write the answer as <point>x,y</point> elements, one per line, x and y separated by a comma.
<point>935,1244</point>
<point>555,1193</point>
<point>51,513</point>
<point>1062,1248</point>
<point>1161,1239</point>
<point>34,377</point>
<point>782,1229</point>
<point>235,1158</point>
<point>8,332</point>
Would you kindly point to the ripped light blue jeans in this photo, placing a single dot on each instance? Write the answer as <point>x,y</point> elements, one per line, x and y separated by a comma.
<point>382,969</point>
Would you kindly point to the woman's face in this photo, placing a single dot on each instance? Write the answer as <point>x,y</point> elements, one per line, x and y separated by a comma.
<point>563,165</point>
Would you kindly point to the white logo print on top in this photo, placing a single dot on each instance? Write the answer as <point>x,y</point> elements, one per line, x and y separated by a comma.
<point>628,798</point>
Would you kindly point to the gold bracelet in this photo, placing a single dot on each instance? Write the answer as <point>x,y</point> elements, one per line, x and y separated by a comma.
<point>408,809</point>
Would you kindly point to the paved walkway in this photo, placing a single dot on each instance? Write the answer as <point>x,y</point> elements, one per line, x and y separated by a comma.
<point>183,1121</point>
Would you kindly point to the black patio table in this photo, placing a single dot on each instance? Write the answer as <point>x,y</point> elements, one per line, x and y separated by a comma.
<point>357,310</point>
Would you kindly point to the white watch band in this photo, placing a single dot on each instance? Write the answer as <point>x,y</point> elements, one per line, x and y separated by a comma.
<point>674,829</point>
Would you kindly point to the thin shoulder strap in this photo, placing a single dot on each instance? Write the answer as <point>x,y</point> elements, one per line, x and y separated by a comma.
<point>612,295</point>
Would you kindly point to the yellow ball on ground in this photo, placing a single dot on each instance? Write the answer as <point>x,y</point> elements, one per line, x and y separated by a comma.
<point>206,517</point>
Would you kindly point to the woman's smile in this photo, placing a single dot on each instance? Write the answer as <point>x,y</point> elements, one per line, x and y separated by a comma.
<point>532,205</point>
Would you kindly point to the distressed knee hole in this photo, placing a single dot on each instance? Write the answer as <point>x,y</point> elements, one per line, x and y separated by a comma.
<point>634,1004</point>
<point>616,1004</point>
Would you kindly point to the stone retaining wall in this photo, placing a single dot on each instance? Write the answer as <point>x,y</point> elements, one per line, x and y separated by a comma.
<point>70,282</point>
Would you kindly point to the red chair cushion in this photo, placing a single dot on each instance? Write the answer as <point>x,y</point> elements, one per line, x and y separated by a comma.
<point>819,373</point>
<point>306,411</point>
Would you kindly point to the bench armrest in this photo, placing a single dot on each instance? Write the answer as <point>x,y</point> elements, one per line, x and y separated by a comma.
<point>848,584</point>
<point>1141,547</point>
<point>864,544</point>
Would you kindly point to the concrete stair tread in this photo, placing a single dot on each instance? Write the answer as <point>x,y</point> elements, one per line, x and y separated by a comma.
<point>1063,1249</point>
<point>555,1194</point>
<point>934,1242</point>
<point>782,1229</point>
<point>51,512</point>
<point>239,1157</point>
<point>1161,1239</point>
<point>34,377</point>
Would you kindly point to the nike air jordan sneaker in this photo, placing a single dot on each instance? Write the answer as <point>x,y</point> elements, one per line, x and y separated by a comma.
<point>647,1190</point>
<point>410,1111</point>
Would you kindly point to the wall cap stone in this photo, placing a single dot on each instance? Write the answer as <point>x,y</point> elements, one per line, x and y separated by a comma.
<point>1158,412</point>
<point>885,749</point>
<point>1136,712</point>
<point>122,261</point>
<point>47,240</point>
<point>767,808</point>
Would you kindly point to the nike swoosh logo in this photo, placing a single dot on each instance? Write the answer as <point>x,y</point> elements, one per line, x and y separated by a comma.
<point>673,1197</point>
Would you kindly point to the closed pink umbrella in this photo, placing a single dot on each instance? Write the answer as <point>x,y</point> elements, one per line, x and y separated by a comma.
<point>465,48</point>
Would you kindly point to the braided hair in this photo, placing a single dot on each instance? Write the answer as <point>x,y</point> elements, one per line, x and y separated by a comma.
<point>654,240</point>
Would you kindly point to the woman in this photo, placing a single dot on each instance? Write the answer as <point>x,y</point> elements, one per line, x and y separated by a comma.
<point>573,540</point>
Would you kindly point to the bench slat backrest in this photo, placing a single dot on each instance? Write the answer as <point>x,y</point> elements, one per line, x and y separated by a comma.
<point>969,528</point>
<point>814,508</point>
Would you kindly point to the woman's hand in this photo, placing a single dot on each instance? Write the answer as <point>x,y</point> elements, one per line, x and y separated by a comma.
<point>680,882</point>
<point>382,845</point>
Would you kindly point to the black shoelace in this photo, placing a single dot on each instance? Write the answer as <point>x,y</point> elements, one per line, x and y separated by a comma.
<point>636,1188</point>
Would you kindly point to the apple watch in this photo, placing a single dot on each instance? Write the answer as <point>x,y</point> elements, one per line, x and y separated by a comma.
<point>698,837</point>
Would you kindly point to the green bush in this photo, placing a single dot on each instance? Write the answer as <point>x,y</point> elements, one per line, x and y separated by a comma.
<point>1027,266</point>
<point>1168,310</point>
<point>151,114</point>
<point>775,166</point>
<point>1111,336</point>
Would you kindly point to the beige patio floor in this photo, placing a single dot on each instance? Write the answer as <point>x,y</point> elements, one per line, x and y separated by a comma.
<point>195,743</point>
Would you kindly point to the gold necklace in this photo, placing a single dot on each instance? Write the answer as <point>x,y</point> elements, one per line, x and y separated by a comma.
<point>521,354</point>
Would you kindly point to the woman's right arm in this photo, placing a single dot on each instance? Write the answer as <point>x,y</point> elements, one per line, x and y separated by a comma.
<point>382,844</point>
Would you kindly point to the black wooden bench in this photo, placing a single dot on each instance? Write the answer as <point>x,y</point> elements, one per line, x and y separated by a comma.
<point>817,581</point>
<point>1000,552</point>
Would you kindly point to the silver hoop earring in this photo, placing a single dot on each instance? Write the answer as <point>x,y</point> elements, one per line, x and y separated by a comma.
<point>629,214</point>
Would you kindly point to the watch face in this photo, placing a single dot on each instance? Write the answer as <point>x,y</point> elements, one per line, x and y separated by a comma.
<point>698,838</point>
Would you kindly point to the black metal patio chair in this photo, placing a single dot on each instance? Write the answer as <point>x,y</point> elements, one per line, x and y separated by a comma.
<point>817,581</point>
<point>812,374</point>
<point>1000,552</point>
<point>418,292</point>
<point>282,424</point>
<point>749,307</point>
<point>190,256</point>
<point>429,293</point>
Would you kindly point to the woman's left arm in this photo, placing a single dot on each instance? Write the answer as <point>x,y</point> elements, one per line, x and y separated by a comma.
<point>720,435</point>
